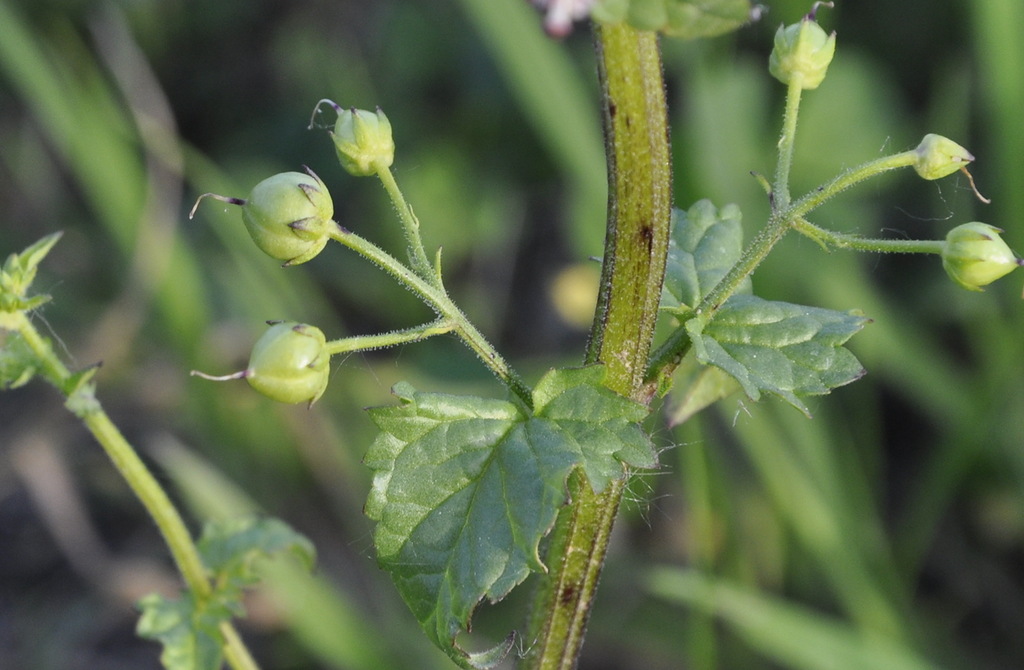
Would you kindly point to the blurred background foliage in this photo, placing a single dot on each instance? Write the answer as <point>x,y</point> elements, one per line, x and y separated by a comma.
<point>887,532</point>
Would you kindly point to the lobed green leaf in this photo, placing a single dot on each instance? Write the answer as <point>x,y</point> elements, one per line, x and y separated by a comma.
<point>189,631</point>
<point>785,349</point>
<point>704,245</point>
<point>189,627</point>
<point>465,488</point>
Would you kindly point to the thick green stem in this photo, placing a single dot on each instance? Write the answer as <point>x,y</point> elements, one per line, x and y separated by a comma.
<point>435,296</point>
<point>84,404</point>
<point>639,206</point>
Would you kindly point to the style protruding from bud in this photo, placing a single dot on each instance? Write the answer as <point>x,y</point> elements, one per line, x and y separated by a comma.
<point>362,139</point>
<point>290,363</point>
<point>802,52</point>
<point>288,215</point>
<point>975,255</point>
<point>939,156</point>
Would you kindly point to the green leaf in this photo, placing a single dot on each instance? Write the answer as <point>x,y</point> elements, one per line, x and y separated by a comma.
<point>465,488</point>
<point>188,632</point>
<point>20,269</point>
<point>704,245</point>
<point>700,386</point>
<point>687,19</point>
<point>785,349</point>
<point>232,548</point>
<point>17,362</point>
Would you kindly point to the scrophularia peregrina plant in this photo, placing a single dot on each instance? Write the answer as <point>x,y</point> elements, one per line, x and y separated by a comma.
<point>466,489</point>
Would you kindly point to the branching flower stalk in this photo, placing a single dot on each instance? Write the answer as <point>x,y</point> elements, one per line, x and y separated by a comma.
<point>82,401</point>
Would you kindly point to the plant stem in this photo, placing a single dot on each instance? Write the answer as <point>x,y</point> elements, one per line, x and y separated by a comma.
<point>639,173</point>
<point>434,295</point>
<point>410,224</point>
<point>395,337</point>
<point>845,241</point>
<point>671,352</point>
<point>83,403</point>
<point>780,191</point>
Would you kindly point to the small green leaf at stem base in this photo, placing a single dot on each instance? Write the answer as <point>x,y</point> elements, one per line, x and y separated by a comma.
<point>465,488</point>
<point>785,349</point>
<point>17,362</point>
<point>189,631</point>
<point>189,627</point>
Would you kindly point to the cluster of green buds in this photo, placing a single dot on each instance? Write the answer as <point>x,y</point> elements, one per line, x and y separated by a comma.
<point>802,52</point>
<point>287,215</point>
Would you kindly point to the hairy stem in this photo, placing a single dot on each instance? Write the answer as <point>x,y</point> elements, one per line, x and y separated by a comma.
<point>410,224</point>
<point>437,298</point>
<point>636,243</point>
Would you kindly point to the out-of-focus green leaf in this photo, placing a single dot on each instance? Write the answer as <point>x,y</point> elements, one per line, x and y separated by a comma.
<point>17,362</point>
<point>465,488</point>
<point>188,632</point>
<point>231,547</point>
<point>704,245</point>
<point>790,635</point>
<point>687,19</point>
<point>785,349</point>
<point>700,386</point>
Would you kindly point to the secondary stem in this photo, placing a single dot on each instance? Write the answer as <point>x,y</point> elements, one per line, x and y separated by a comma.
<point>668,355</point>
<point>639,203</point>
<point>780,191</point>
<point>143,484</point>
<point>410,224</point>
<point>435,296</point>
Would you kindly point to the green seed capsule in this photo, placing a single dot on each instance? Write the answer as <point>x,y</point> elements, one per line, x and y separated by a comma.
<point>802,50</point>
<point>939,156</point>
<point>362,140</point>
<point>288,215</point>
<point>975,255</point>
<point>290,363</point>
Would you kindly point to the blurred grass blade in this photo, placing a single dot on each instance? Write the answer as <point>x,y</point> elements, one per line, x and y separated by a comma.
<point>557,103</point>
<point>792,636</point>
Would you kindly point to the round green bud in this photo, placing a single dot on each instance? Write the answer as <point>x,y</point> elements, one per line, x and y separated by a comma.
<point>288,216</point>
<point>803,51</point>
<point>290,363</point>
<point>938,156</point>
<point>362,140</point>
<point>975,255</point>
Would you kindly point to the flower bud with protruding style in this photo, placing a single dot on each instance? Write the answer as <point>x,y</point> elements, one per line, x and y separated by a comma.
<point>975,255</point>
<point>287,215</point>
<point>362,139</point>
<point>939,156</point>
<point>804,51</point>
<point>290,363</point>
